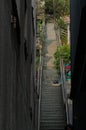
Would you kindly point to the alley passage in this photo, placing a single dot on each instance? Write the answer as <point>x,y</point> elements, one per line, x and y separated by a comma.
<point>52,109</point>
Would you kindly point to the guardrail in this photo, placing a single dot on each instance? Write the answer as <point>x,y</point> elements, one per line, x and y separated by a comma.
<point>39,89</point>
<point>66,100</point>
<point>63,81</point>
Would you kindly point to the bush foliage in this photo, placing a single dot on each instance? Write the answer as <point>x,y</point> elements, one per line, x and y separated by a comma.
<point>62,52</point>
<point>57,7</point>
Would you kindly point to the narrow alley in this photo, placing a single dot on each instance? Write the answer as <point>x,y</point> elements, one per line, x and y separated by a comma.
<point>31,31</point>
<point>52,113</point>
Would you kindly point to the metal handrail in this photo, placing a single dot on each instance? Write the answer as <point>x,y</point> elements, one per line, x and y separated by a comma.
<point>63,81</point>
<point>40,81</point>
<point>64,92</point>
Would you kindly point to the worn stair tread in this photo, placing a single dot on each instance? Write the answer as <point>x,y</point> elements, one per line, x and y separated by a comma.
<point>52,115</point>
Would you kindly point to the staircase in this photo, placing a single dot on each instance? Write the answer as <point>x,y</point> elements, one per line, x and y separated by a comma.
<point>52,116</point>
<point>52,113</point>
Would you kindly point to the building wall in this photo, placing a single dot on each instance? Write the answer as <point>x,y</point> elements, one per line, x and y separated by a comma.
<point>76,7</point>
<point>78,52</point>
<point>75,18</point>
<point>17,65</point>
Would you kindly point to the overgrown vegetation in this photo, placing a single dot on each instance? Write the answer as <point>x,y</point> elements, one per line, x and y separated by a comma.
<point>49,7</point>
<point>40,31</point>
<point>62,52</point>
<point>59,8</point>
<point>62,25</point>
<point>40,41</point>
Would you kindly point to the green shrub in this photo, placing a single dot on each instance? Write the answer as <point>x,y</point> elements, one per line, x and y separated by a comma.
<point>62,52</point>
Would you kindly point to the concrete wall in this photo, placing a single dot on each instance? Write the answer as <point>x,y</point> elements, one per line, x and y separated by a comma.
<point>78,52</point>
<point>17,66</point>
<point>76,7</point>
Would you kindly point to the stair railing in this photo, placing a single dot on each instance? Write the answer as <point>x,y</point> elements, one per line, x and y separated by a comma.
<point>67,104</point>
<point>39,88</point>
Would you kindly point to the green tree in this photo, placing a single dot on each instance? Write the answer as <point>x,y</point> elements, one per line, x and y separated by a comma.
<point>49,6</point>
<point>61,8</point>
<point>57,7</point>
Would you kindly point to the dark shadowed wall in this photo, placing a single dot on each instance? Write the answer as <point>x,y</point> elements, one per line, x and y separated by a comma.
<point>78,59</point>
<point>17,65</point>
